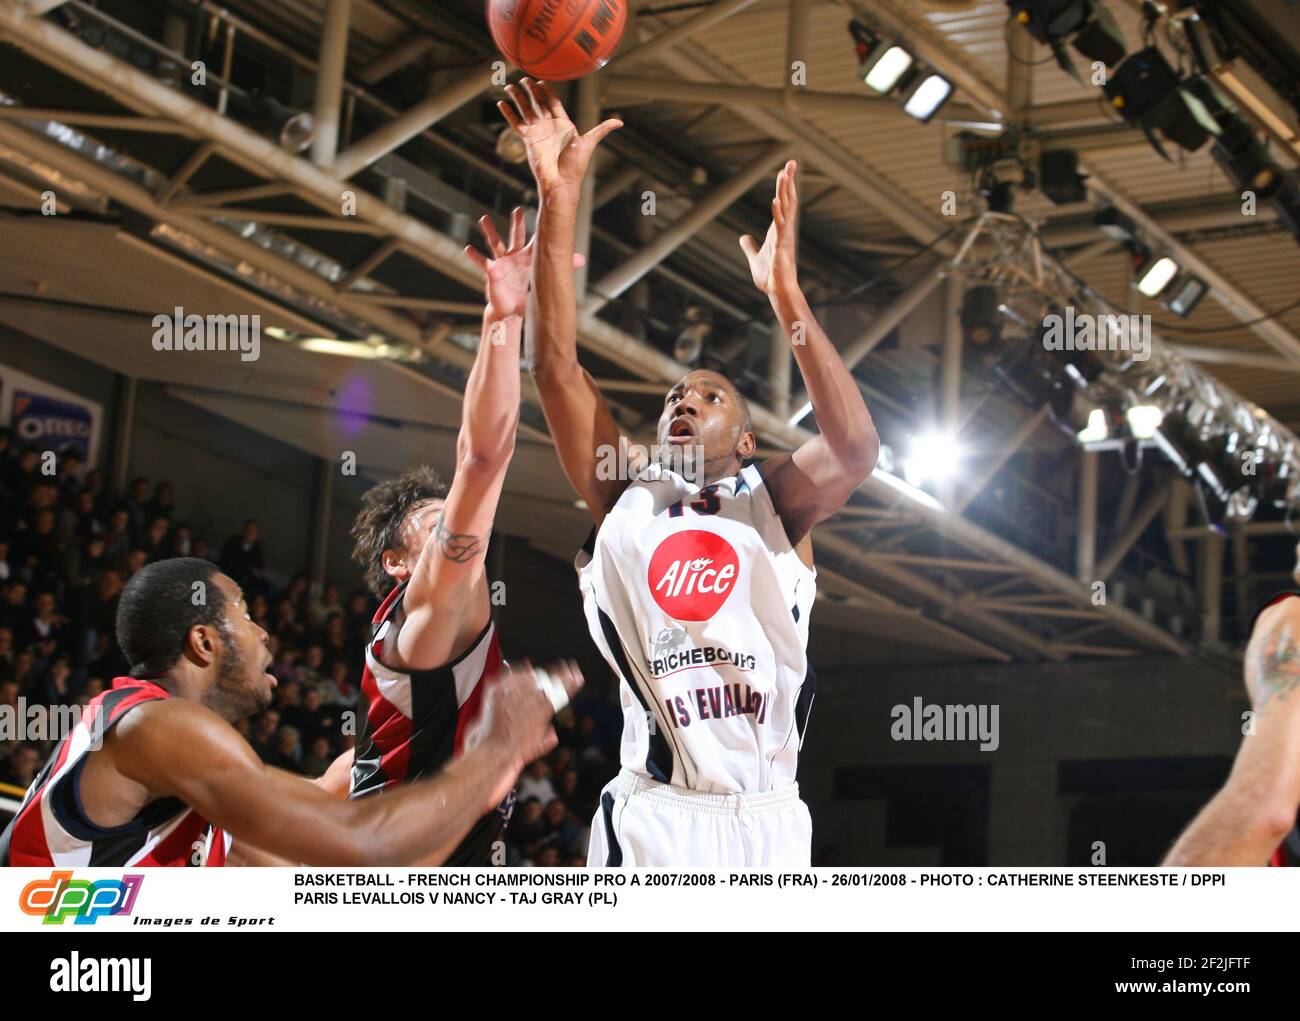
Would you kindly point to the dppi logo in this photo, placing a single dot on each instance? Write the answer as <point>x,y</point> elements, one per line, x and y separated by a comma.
<point>692,573</point>
<point>61,896</point>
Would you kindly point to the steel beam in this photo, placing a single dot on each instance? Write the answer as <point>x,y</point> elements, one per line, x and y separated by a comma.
<point>619,279</point>
<point>330,68</point>
<point>417,119</point>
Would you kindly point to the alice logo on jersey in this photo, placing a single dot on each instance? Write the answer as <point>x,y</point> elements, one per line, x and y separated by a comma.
<point>61,897</point>
<point>692,573</point>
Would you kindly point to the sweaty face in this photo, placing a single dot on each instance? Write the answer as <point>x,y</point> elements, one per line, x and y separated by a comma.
<point>243,686</point>
<point>702,412</point>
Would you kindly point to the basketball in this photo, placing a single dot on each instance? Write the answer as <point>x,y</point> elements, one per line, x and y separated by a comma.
<point>557,40</point>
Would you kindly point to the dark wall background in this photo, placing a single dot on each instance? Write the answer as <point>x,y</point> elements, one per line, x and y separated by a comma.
<point>1122,752</point>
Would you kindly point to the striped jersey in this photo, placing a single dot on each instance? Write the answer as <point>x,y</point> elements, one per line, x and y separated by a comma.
<point>700,604</point>
<point>415,723</point>
<point>1287,852</point>
<point>52,828</point>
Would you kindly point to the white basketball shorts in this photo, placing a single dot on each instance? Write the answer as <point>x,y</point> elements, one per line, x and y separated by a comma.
<point>643,822</point>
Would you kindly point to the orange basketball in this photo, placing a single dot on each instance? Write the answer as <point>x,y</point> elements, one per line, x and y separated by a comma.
<point>557,40</point>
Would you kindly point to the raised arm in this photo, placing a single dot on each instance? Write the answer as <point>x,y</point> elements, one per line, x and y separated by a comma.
<point>181,749</point>
<point>815,481</point>
<point>1244,823</point>
<point>576,412</point>
<point>447,594</point>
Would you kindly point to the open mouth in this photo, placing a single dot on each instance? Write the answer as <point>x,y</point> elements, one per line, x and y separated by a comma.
<point>680,430</point>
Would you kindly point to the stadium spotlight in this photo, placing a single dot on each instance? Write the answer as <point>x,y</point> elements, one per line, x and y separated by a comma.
<point>882,63</point>
<point>1155,275</point>
<point>1187,294</point>
<point>1053,22</point>
<point>1149,94</point>
<point>1143,420</point>
<point>934,456</point>
<point>925,94</point>
<point>1244,159</point>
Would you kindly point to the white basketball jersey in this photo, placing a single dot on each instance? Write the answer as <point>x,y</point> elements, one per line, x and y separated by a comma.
<point>700,605</point>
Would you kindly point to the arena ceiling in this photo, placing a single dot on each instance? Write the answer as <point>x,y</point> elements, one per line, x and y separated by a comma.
<point>199,206</point>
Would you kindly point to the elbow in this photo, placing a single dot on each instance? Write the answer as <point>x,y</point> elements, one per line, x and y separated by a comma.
<point>860,457</point>
<point>479,455</point>
<point>1273,821</point>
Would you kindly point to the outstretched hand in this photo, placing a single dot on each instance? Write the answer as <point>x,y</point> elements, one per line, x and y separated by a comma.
<point>557,155</point>
<point>508,266</point>
<point>773,266</point>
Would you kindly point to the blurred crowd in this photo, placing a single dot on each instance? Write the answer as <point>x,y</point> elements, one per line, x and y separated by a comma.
<point>68,546</point>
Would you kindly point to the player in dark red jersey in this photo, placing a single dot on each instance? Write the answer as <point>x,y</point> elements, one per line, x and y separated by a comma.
<point>155,773</point>
<point>1253,819</point>
<point>423,547</point>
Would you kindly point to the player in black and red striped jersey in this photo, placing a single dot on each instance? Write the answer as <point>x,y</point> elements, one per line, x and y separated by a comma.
<point>1253,819</point>
<point>434,646</point>
<point>156,774</point>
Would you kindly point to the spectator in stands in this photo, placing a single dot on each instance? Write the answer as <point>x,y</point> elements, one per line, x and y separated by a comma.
<point>21,766</point>
<point>117,540</point>
<point>318,756</point>
<point>241,558</point>
<point>136,506</point>
<point>262,737</point>
<point>287,753</point>
<point>536,783</point>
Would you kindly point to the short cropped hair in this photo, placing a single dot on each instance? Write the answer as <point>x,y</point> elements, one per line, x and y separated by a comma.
<point>158,608</point>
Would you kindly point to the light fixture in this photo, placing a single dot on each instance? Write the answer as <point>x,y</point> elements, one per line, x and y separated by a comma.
<point>925,94</point>
<point>510,146</point>
<point>1148,93</point>
<point>934,457</point>
<point>1096,35</point>
<point>1156,275</point>
<point>1115,224</point>
<point>1096,430</point>
<point>1143,420</point>
<point>1187,294</point>
<point>981,316</point>
<point>346,348</point>
<point>690,341</point>
<point>1244,159</point>
<point>293,130</point>
<point>882,63</point>
<point>1059,178</point>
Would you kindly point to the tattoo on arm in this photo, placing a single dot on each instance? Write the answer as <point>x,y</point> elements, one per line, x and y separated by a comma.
<point>460,547</point>
<point>1273,666</point>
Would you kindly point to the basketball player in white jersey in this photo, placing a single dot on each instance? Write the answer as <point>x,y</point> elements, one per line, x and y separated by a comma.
<point>697,589</point>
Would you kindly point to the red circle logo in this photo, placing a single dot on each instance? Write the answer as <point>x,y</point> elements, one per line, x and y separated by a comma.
<point>692,573</point>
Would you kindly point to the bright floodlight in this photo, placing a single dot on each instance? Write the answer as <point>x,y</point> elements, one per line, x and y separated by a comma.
<point>934,457</point>
<point>1157,276</point>
<point>883,74</point>
<point>1144,420</point>
<point>926,98</point>
<point>1096,430</point>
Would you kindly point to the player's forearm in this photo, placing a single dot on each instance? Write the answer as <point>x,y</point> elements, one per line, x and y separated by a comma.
<point>842,416</point>
<point>551,325</point>
<point>1231,830</point>
<point>423,822</point>
<point>491,407</point>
